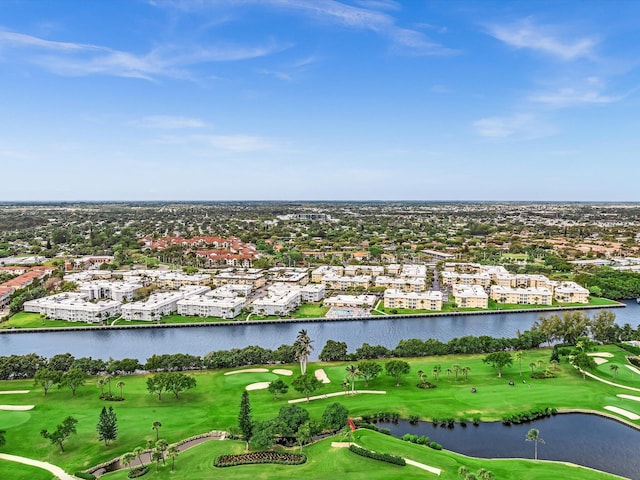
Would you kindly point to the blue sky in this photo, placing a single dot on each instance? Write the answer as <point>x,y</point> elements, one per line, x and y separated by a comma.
<point>319,100</point>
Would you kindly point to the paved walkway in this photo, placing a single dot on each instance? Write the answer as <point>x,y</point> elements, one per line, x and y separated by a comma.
<point>57,471</point>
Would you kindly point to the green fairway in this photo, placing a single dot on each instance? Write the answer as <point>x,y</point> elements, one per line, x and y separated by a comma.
<point>213,404</point>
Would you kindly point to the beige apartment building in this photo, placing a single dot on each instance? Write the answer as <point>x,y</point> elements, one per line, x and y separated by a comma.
<point>521,296</point>
<point>430,300</point>
<point>405,284</point>
<point>571,292</point>
<point>470,296</point>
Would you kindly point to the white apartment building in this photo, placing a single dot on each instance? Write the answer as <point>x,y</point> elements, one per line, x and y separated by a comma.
<point>431,300</point>
<point>454,278</point>
<point>206,306</point>
<point>278,302</point>
<point>334,282</point>
<point>405,284</point>
<point>230,291</point>
<point>470,296</point>
<point>160,304</point>
<point>294,276</point>
<point>351,301</point>
<point>312,293</point>
<point>522,296</point>
<point>416,271</point>
<point>251,276</point>
<point>100,289</point>
<point>323,270</point>
<point>571,292</point>
<point>373,270</point>
<point>73,307</point>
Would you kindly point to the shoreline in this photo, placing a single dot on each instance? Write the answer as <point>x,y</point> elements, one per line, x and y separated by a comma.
<point>302,320</point>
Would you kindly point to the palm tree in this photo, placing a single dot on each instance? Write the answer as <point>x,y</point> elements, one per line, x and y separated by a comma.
<point>519,355</point>
<point>138,451</point>
<point>156,456</point>
<point>436,371</point>
<point>614,368</point>
<point>532,365</point>
<point>127,458</point>
<point>101,384</point>
<point>162,446</point>
<point>352,373</point>
<point>540,363</point>
<point>421,376</point>
<point>533,435</point>
<point>554,364</point>
<point>156,426</point>
<point>448,372</point>
<point>172,452</point>
<point>456,370</point>
<point>465,372</point>
<point>484,474</point>
<point>303,349</point>
<point>120,384</point>
<point>345,385</point>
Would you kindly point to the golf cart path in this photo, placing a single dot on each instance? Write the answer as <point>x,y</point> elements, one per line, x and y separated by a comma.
<point>57,471</point>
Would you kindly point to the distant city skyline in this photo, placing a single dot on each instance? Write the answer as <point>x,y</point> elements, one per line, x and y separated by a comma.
<point>222,100</point>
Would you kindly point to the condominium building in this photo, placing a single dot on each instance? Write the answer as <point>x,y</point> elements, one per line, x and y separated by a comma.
<point>312,293</point>
<point>571,292</point>
<point>521,296</point>
<point>431,300</point>
<point>207,306</point>
<point>160,304</point>
<point>351,301</point>
<point>293,276</point>
<point>470,296</point>
<point>335,282</point>
<point>73,307</point>
<point>251,276</point>
<point>416,271</point>
<point>321,271</point>
<point>373,270</point>
<point>405,284</point>
<point>277,302</point>
<point>454,278</point>
<point>100,289</point>
<point>523,281</point>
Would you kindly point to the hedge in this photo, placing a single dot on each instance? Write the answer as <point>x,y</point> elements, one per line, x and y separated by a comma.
<point>138,472</point>
<point>85,475</point>
<point>383,457</point>
<point>279,458</point>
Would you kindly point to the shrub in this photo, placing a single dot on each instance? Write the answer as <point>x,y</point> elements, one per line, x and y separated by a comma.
<point>385,431</point>
<point>383,457</point>
<point>413,419</point>
<point>476,420</point>
<point>280,458</point>
<point>408,437</point>
<point>426,385</point>
<point>435,446</point>
<point>463,421</point>
<point>85,475</point>
<point>423,440</point>
<point>544,374</point>
<point>138,472</point>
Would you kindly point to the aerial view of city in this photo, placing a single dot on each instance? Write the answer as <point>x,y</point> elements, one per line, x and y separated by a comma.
<point>381,239</point>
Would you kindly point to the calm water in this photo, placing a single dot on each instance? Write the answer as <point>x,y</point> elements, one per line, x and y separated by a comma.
<point>587,440</point>
<point>143,343</point>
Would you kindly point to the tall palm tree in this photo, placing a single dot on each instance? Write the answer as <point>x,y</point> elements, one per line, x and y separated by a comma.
<point>172,453</point>
<point>465,372</point>
<point>519,355</point>
<point>156,456</point>
<point>532,365</point>
<point>127,459</point>
<point>120,384</point>
<point>614,368</point>
<point>352,373</point>
<point>533,435</point>
<point>456,370</point>
<point>436,371</point>
<point>138,451</point>
<point>156,426</point>
<point>303,349</point>
<point>421,376</point>
<point>162,446</point>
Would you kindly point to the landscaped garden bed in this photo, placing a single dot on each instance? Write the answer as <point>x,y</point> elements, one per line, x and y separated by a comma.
<point>280,458</point>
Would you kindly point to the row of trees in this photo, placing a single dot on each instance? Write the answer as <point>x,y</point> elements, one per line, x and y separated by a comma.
<point>570,326</point>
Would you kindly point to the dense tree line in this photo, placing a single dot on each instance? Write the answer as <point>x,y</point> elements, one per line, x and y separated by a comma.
<point>611,283</point>
<point>570,326</point>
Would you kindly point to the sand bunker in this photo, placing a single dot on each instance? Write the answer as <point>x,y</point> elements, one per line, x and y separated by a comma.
<point>322,375</point>
<point>624,413</point>
<point>600,361</point>
<point>601,354</point>
<point>628,397</point>
<point>633,369</point>
<point>11,392</point>
<point>337,394</point>
<point>248,370</point>
<point>258,386</point>
<point>16,407</point>
<point>282,371</point>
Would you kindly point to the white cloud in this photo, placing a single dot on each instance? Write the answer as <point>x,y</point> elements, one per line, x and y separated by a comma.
<point>235,143</point>
<point>543,38</point>
<point>76,59</point>
<point>169,122</point>
<point>566,97</point>
<point>517,127</point>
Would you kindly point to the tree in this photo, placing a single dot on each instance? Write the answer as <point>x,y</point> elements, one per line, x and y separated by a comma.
<point>278,387</point>
<point>533,435</point>
<point>156,456</point>
<point>397,368</point>
<point>519,355</point>
<point>335,416</point>
<point>436,371</point>
<point>532,365</point>
<point>498,360</point>
<point>73,379</point>
<point>138,451</point>
<point>3,438</point>
<point>156,426</point>
<point>352,373</point>
<point>127,459</point>
<point>369,370</point>
<point>303,349</point>
<point>306,384</point>
<point>584,362</point>
<point>46,378</point>
<point>614,368</point>
<point>465,372</point>
<point>107,426</point>
<point>244,418</point>
<point>61,433</point>
<point>156,385</point>
<point>120,384</point>
<point>178,382</point>
<point>172,453</point>
<point>162,446</point>
<point>334,351</point>
<point>303,434</point>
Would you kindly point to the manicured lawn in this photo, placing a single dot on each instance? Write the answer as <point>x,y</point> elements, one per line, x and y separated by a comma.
<point>213,404</point>
<point>33,320</point>
<point>325,462</point>
<point>18,471</point>
<point>310,310</point>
